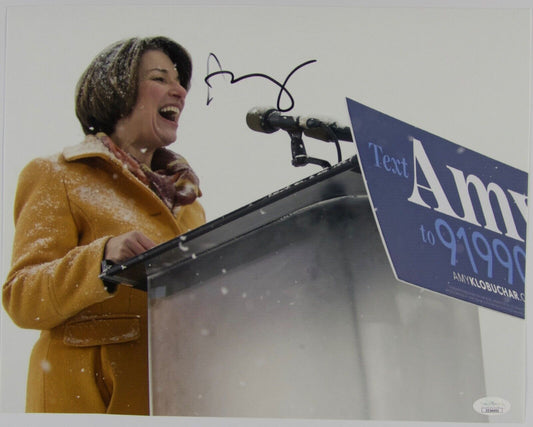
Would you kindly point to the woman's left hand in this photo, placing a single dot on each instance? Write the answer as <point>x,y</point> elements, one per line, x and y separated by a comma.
<point>126,246</point>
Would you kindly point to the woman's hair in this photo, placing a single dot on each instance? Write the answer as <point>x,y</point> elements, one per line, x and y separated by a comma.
<point>107,90</point>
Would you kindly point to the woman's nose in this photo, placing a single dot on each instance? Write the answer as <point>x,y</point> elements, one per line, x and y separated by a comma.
<point>178,90</point>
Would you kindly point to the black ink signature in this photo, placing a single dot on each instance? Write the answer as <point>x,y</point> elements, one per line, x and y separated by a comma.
<point>282,86</point>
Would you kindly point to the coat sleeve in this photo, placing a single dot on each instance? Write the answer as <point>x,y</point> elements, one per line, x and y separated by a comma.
<point>52,278</point>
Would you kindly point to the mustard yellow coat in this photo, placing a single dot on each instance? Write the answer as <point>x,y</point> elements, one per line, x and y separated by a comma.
<point>91,356</point>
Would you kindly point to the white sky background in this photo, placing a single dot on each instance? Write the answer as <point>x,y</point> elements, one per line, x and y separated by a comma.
<point>462,74</point>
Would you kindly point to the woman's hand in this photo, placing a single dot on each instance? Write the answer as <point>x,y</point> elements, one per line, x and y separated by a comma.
<point>126,246</point>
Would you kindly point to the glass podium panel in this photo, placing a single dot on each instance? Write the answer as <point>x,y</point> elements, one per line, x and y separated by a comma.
<point>302,317</point>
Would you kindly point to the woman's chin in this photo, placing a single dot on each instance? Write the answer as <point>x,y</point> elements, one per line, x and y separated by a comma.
<point>166,139</point>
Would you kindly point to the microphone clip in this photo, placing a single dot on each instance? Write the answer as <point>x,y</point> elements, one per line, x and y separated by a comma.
<point>299,153</point>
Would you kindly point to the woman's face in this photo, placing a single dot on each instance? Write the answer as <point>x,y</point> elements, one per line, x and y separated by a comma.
<point>160,100</point>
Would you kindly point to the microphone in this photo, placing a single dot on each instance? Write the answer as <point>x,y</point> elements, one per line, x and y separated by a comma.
<point>269,120</point>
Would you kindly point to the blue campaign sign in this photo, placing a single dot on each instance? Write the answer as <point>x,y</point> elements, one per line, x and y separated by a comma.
<point>453,220</point>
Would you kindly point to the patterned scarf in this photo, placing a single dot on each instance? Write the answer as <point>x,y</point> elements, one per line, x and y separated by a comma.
<point>170,176</point>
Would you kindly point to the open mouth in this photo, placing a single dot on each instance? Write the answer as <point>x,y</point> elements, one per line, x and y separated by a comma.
<point>170,113</point>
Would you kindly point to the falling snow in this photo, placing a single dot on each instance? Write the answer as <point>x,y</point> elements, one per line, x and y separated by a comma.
<point>45,366</point>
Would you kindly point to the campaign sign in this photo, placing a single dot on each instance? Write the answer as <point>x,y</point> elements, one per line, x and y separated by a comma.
<point>452,220</point>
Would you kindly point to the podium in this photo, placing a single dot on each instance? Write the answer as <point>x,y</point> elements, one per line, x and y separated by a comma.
<point>288,308</point>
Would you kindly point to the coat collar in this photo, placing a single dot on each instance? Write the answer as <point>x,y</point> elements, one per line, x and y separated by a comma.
<point>90,147</point>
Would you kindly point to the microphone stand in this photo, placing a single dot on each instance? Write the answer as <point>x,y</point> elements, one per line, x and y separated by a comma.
<point>299,154</point>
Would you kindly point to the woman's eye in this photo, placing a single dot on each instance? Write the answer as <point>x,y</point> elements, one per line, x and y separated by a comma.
<point>158,79</point>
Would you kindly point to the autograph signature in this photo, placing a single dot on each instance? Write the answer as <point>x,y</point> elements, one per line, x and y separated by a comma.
<point>282,86</point>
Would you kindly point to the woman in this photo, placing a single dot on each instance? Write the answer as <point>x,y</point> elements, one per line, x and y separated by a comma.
<point>114,196</point>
